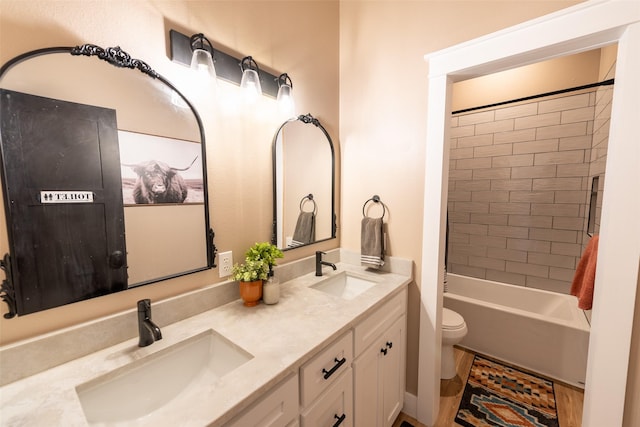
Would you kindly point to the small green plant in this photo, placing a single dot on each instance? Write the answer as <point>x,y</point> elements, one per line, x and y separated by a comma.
<point>266,252</point>
<point>250,271</point>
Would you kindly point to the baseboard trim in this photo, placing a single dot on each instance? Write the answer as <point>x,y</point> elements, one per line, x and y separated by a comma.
<point>410,405</point>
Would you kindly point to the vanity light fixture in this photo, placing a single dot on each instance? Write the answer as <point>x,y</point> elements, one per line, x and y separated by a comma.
<point>202,56</point>
<point>286,104</point>
<point>250,82</point>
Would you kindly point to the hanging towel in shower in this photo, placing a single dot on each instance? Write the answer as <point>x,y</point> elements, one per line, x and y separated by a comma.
<point>585,277</point>
<point>372,242</point>
<point>305,231</point>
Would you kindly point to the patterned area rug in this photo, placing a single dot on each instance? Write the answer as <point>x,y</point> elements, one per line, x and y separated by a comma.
<point>498,395</point>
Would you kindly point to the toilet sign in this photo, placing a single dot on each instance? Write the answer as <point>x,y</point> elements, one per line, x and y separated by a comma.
<point>66,197</point>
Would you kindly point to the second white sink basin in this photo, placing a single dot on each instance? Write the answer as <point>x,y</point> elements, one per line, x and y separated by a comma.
<point>345,285</point>
<point>141,387</point>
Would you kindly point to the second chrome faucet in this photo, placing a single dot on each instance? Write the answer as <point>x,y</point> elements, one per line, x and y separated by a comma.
<point>149,332</point>
<point>320,263</point>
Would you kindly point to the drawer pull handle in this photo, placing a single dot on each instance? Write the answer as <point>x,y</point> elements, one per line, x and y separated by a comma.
<point>383,351</point>
<point>330,372</point>
<point>340,419</point>
<point>389,344</point>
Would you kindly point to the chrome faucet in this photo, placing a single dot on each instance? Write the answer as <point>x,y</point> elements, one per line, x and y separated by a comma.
<point>320,263</point>
<point>149,331</point>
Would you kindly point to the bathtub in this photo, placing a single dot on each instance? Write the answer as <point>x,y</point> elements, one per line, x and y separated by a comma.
<point>538,330</point>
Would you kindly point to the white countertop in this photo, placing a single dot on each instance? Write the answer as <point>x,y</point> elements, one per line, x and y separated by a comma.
<point>281,338</point>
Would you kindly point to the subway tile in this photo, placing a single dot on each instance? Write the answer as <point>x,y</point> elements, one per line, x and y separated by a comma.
<point>473,118</point>
<point>479,229</point>
<point>474,141</point>
<point>509,208</point>
<point>562,261</point>
<point>481,163</point>
<point>529,245</point>
<point>469,250</point>
<point>561,131</point>
<point>490,196</point>
<point>489,219</point>
<point>512,184</point>
<point>538,120</point>
<point>492,151</point>
<point>527,269</point>
<point>564,274</point>
<point>531,196</point>
<point>567,236</point>
<point>514,136</point>
<point>459,196</point>
<point>458,238</point>
<point>530,221</point>
<point>494,127</point>
<point>454,122</point>
<point>545,184</point>
<point>492,173</point>
<point>507,231</point>
<point>461,153</point>
<point>576,196</point>
<point>494,264</point>
<point>458,216</point>
<point>472,207</point>
<point>457,258</point>
<point>460,131</point>
<point>512,161</point>
<point>575,142</point>
<point>453,143</point>
<point>542,146</point>
<point>522,110</point>
<point>460,174</point>
<point>578,115</point>
<point>534,172</point>
<point>507,254</point>
<point>548,284</point>
<point>581,169</point>
<point>569,249</point>
<point>504,277</point>
<point>564,103</point>
<point>466,270</point>
<point>488,241</point>
<point>559,158</point>
<point>474,185</point>
<point>568,223</point>
<point>555,209</point>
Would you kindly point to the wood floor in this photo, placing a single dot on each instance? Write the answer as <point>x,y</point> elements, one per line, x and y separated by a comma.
<point>568,398</point>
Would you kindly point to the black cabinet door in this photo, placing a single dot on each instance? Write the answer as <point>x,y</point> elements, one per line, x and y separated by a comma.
<point>63,197</point>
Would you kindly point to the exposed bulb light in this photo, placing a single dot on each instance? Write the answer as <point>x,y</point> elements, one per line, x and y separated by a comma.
<point>286,103</point>
<point>250,82</point>
<point>201,59</point>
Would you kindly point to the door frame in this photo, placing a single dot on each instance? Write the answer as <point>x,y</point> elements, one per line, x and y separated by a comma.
<point>583,27</point>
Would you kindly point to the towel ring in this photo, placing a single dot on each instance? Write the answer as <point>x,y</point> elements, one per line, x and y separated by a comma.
<point>310,198</point>
<point>374,199</point>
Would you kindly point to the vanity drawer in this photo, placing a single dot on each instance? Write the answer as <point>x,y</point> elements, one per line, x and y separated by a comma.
<point>368,331</point>
<point>334,407</point>
<point>325,368</point>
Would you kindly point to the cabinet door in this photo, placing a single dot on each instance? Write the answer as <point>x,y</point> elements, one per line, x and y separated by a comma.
<point>365,387</point>
<point>392,375</point>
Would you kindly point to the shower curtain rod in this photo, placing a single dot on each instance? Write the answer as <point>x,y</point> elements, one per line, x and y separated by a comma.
<point>527,98</point>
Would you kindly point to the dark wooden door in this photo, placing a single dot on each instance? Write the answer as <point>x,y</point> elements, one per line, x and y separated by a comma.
<point>63,195</point>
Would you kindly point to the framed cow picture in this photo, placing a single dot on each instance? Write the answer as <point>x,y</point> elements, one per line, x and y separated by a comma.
<point>159,170</point>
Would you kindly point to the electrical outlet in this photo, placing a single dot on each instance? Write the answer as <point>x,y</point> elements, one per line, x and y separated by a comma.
<point>225,263</point>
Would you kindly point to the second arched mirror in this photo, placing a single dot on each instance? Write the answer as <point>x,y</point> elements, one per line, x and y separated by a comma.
<point>303,183</point>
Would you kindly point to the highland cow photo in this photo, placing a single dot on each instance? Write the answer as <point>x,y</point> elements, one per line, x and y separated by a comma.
<point>159,170</point>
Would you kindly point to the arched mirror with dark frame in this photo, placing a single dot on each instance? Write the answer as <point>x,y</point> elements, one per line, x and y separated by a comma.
<point>103,177</point>
<point>303,159</point>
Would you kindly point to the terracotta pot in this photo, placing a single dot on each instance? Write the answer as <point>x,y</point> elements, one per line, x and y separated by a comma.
<point>251,292</point>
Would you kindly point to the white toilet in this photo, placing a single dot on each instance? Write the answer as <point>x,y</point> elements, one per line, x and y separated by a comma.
<point>454,329</point>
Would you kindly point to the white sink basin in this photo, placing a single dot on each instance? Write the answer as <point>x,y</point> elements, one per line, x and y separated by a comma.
<point>345,285</point>
<point>141,387</point>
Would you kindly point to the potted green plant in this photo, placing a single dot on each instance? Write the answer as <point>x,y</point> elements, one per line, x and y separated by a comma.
<point>250,276</point>
<point>266,252</point>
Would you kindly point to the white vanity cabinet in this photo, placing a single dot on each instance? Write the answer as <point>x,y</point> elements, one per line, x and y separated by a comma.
<point>277,408</point>
<point>379,365</point>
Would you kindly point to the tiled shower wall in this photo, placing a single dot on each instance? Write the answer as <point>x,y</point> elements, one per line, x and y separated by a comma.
<point>519,184</point>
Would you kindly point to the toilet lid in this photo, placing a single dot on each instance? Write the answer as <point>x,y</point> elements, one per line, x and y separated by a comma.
<point>451,319</point>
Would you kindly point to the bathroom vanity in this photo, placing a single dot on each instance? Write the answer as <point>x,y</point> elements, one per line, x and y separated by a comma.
<point>331,352</point>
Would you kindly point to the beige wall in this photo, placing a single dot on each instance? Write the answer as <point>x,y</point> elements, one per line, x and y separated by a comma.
<point>300,38</point>
<point>383,81</point>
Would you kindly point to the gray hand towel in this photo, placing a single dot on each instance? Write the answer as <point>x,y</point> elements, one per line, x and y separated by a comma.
<point>372,242</point>
<point>305,231</point>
